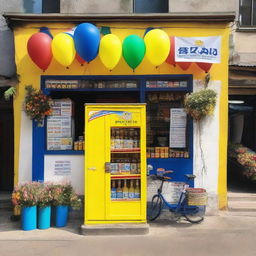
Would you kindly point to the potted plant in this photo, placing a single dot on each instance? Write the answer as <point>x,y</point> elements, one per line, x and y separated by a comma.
<point>44,206</point>
<point>64,197</point>
<point>26,197</point>
<point>37,105</point>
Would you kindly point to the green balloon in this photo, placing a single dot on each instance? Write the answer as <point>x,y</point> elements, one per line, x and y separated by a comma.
<point>134,50</point>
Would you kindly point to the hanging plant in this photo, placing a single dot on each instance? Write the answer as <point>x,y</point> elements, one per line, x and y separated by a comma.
<point>37,105</point>
<point>200,104</point>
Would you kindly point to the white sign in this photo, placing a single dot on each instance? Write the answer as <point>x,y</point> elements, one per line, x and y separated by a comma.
<point>198,49</point>
<point>178,123</point>
<point>62,167</point>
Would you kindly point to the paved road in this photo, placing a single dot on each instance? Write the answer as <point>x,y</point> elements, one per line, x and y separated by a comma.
<point>217,235</point>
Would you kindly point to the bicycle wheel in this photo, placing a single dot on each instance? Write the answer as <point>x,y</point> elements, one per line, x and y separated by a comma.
<point>155,207</point>
<point>195,216</point>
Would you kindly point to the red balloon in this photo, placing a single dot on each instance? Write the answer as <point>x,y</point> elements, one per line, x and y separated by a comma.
<point>80,59</point>
<point>171,58</point>
<point>184,65</point>
<point>204,66</point>
<point>39,49</point>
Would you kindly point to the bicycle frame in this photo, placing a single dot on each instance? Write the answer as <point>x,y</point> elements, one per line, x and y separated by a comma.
<point>181,207</point>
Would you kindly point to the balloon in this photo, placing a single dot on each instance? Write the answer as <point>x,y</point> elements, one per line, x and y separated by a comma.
<point>184,65</point>
<point>133,50</point>
<point>87,40</point>
<point>80,60</point>
<point>204,66</point>
<point>171,57</point>
<point>63,49</point>
<point>39,49</point>
<point>110,50</point>
<point>157,46</point>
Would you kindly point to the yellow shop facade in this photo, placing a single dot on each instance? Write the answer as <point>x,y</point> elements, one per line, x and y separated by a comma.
<point>55,151</point>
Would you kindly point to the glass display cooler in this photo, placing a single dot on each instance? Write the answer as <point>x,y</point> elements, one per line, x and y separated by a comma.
<point>115,163</point>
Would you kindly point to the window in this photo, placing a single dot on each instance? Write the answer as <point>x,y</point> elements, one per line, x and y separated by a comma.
<point>247,13</point>
<point>41,6</point>
<point>152,6</point>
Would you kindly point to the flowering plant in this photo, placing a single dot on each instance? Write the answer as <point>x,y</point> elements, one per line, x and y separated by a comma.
<point>26,194</point>
<point>64,194</point>
<point>246,158</point>
<point>200,104</point>
<point>45,195</point>
<point>37,104</point>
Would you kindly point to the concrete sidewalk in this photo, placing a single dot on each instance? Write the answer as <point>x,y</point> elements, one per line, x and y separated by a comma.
<point>10,230</point>
<point>216,236</point>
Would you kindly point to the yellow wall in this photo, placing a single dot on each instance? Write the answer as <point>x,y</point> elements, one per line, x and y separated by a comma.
<point>30,73</point>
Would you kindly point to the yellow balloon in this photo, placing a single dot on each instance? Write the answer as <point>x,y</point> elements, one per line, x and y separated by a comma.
<point>157,46</point>
<point>110,50</point>
<point>63,49</point>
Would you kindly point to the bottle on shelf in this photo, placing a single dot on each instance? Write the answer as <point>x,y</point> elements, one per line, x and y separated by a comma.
<point>134,166</point>
<point>136,140</point>
<point>130,139</point>
<point>117,139</point>
<point>119,191</point>
<point>121,137</point>
<point>126,140</point>
<point>137,190</point>
<point>131,190</point>
<point>113,190</point>
<point>112,138</point>
<point>125,190</point>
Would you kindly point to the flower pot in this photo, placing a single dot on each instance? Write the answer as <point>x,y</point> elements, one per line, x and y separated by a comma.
<point>28,218</point>
<point>44,217</point>
<point>61,216</point>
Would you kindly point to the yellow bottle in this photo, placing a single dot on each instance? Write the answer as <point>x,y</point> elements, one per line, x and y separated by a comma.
<point>119,191</point>
<point>131,191</point>
<point>137,190</point>
<point>125,190</point>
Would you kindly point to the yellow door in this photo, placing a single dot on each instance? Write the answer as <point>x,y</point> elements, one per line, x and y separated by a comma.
<point>115,158</point>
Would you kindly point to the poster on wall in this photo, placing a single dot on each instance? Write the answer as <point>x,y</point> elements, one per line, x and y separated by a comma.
<point>62,167</point>
<point>178,123</point>
<point>198,49</point>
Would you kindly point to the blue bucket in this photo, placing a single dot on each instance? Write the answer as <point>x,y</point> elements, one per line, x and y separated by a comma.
<point>44,217</point>
<point>28,218</point>
<point>61,216</point>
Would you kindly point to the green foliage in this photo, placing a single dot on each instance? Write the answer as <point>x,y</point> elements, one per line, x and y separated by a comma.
<point>64,194</point>
<point>10,92</point>
<point>200,104</point>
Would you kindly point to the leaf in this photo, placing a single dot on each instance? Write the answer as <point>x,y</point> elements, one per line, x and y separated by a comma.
<point>10,92</point>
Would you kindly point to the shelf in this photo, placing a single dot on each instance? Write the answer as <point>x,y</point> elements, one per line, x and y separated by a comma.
<point>125,176</point>
<point>125,150</point>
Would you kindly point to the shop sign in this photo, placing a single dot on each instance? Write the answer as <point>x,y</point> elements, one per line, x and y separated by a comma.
<point>198,49</point>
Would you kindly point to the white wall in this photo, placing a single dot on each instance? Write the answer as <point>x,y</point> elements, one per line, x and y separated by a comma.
<point>76,175</point>
<point>25,155</point>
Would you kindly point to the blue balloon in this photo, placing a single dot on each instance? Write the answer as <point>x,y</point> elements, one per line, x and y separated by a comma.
<point>87,41</point>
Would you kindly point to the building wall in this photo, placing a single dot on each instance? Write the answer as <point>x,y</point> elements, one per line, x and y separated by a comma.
<point>214,139</point>
<point>103,6</point>
<point>7,63</point>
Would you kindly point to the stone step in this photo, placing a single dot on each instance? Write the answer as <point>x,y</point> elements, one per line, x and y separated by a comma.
<point>6,204</point>
<point>242,206</point>
<point>241,197</point>
<point>243,213</point>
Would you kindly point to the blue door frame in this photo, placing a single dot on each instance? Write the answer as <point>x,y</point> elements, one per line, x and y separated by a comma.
<point>180,166</point>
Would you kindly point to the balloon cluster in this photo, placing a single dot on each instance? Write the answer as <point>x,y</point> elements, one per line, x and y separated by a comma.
<point>84,44</point>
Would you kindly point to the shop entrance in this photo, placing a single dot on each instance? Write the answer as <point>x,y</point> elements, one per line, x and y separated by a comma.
<point>7,144</point>
<point>242,144</point>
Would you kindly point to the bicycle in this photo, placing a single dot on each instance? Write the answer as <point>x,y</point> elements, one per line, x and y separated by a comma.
<point>192,213</point>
